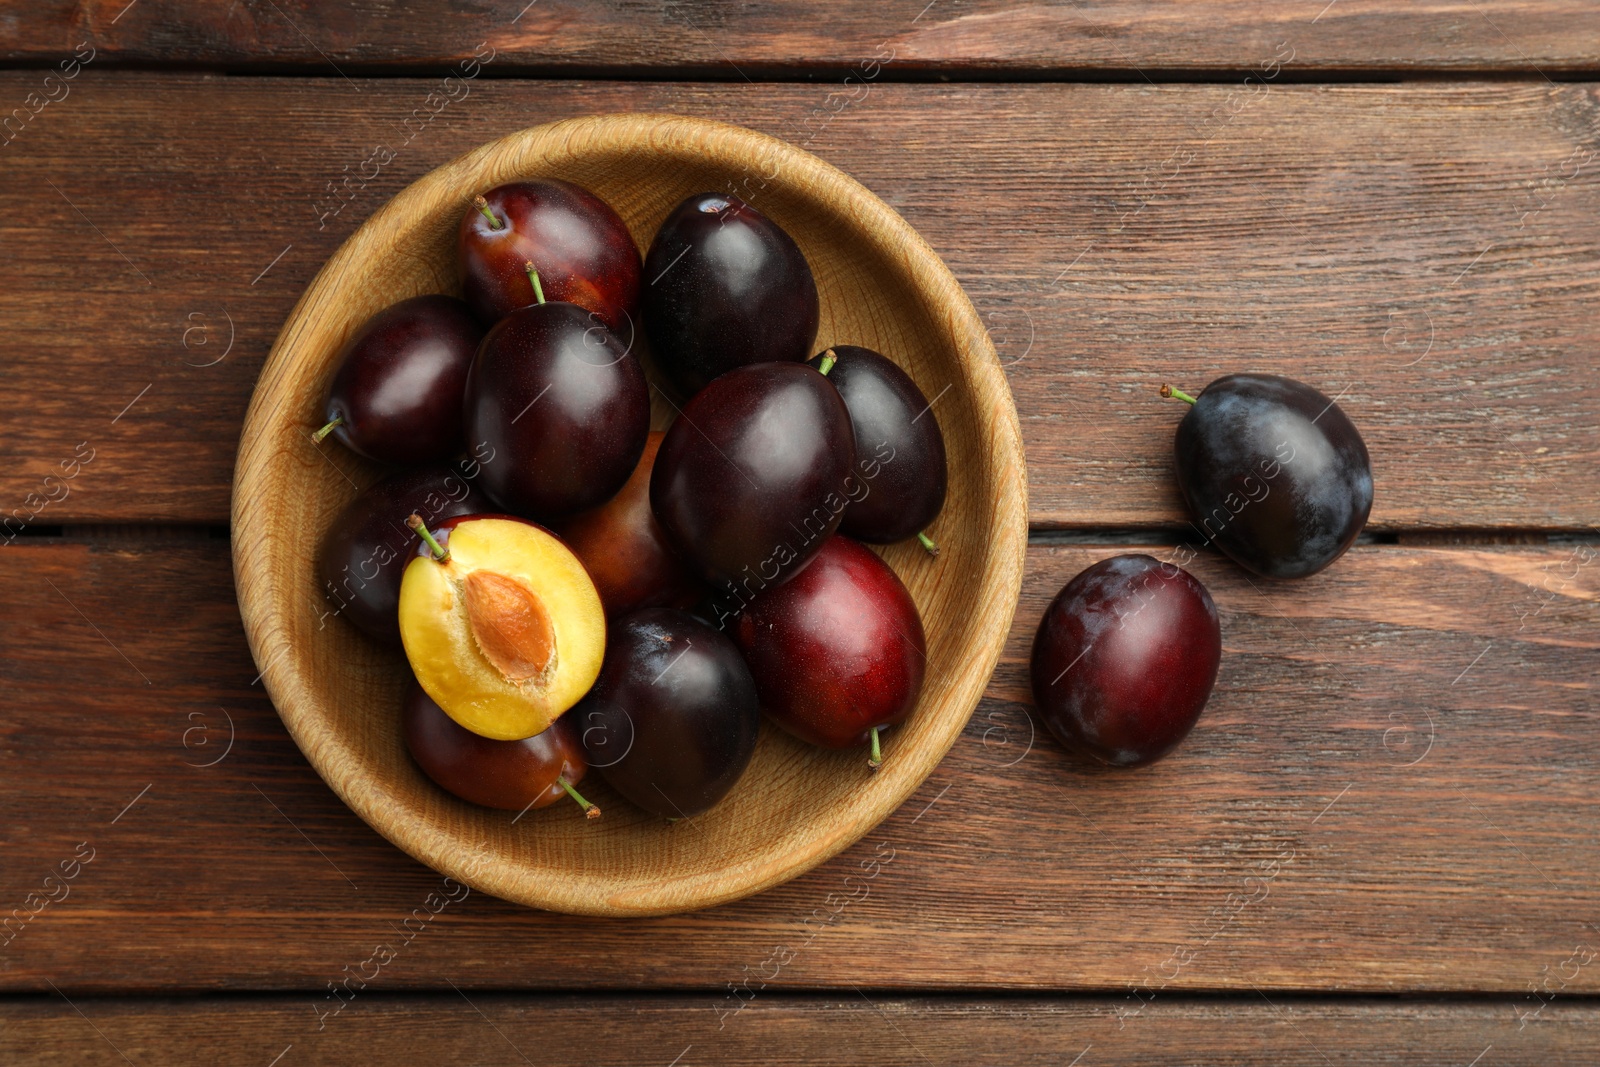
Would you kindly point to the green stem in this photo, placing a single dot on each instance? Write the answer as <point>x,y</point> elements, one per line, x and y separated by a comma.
<point>828,360</point>
<point>440,553</point>
<point>326,430</point>
<point>928,543</point>
<point>589,810</point>
<point>533,276</point>
<point>483,206</point>
<point>1169,392</point>
<point>876,759</point>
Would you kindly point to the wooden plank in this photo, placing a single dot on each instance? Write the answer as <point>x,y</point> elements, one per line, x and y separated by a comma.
<point>491,1029</point>
<point>1430,253</point>
<point>1009,37</point>
<point>1392,790</point>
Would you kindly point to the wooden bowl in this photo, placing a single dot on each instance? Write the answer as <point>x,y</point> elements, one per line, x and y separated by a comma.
<point>339,694</point>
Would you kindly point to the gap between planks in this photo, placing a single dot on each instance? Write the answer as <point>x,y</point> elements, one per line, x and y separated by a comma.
<point>828,73</point>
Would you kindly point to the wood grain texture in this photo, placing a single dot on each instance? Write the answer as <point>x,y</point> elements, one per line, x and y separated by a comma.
<point>1393,789</point>
<point>491,1030</point>
<point>796,805</point>
<point>1428,252</point>
<point>1014,38</point>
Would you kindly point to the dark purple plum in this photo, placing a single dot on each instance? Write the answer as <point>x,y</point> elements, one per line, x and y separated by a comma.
<point>673,719</point>
<point>533,772</point>
<point>564,406</point>
<point>725,286</point>
<point>396,396</point>
<point>364,553</point>
<point>580,246</point>
<point>899,450</point>
<point>754,476</point>
<point>1274,473</point>
<point>1125,658</point>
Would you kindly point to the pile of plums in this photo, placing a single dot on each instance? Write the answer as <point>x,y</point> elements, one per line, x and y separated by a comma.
<point>575,591</point>
<point>1276,477</point>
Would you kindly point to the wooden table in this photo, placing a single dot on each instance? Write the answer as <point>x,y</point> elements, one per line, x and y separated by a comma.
<point>1379,844</point>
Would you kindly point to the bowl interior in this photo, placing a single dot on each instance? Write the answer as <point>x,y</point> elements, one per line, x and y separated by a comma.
<point>339,694</point>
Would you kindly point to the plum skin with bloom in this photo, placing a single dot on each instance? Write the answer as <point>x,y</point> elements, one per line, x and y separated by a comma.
<point>1274,474</point>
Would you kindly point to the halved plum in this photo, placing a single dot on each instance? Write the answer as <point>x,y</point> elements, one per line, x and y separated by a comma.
<point>501,623</point>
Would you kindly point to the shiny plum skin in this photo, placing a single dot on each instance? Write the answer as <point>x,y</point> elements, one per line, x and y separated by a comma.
<point>672,721</point>
<point>1125,658</point>
<point>625,550</point>
<point>1274,473</point>
<point>725,286</point>
<point>578,244</point>
<point>512,775</point>
<point>899,448</point>
<point>364,553</point>
<point>755,475</point>
<point>836,650</point>
<point>563,405</point>
<point>397,392</point>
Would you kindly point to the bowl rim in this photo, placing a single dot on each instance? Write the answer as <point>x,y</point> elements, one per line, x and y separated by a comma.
<point>999,575</point>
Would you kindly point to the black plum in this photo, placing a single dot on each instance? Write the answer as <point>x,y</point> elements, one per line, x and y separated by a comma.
<point>899,448</point>
<point>673,719</point>
<point>755,475</point>
<point>1274,473</point>
<point>725,286</point>
<point>396,396</point>
<point>565,407</point>
<point>581,247</point>
<point>364,553</point>
<point>1125,658</point>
